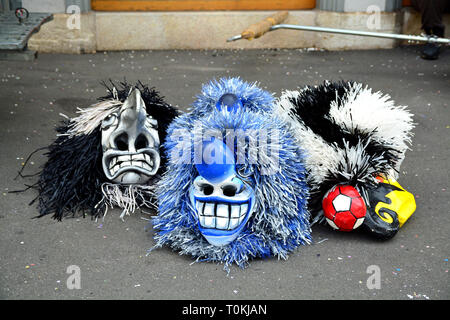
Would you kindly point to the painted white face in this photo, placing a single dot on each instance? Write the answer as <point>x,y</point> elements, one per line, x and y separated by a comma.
<point>130,143</point>
<point>223,208</point>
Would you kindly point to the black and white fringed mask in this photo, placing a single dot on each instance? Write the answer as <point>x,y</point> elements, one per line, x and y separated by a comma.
<point>354,140</point>
<point>107,156</point>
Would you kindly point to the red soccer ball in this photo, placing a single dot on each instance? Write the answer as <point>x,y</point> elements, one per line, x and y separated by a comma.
<point>343,207</point>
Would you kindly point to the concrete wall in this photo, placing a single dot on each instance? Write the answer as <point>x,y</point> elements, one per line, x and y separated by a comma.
<point>389,22</point>
<point>205,30</point>
<point>104,31</point>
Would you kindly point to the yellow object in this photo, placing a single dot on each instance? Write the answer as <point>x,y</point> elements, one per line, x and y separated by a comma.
<point>402,202</point>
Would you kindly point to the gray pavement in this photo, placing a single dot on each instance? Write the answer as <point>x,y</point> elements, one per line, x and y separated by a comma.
<point>35,253</point>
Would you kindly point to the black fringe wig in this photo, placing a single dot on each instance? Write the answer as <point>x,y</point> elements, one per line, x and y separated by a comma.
<point>71,180</point>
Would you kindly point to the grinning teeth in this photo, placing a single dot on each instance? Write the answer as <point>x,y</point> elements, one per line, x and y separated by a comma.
<point>221,216</point>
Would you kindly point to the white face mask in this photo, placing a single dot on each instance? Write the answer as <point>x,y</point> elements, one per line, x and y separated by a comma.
<point>130,143</point>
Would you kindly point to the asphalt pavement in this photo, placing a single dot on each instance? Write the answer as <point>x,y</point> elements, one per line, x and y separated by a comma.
<point>35,254</point>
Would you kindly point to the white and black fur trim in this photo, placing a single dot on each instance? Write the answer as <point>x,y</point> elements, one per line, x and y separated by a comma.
<point>349,133</point>
<point>72,180</point>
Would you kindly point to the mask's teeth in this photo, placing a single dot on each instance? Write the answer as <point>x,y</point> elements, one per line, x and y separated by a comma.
<point>222,210</point>
<point>139,157</point>
<point>125,164</point>
<point>235,211</point>
<point>209,209</point>
<point>123,158</point>
<point>210,222</point>
<point>233,224</point>
<point>244,208</point>
<point>221,216</point>
<point>112,162</point>
<point>222,223</point>
<point>146,166</point>
<point>199,206</point>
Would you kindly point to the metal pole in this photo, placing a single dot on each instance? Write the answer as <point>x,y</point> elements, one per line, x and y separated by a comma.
<point>356,33</point>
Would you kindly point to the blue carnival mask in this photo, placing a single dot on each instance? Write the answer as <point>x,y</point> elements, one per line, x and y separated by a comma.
<point>223,202</point>
<point>239,191</point>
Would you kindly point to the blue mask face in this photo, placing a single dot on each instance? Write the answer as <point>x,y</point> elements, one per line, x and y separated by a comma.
<point>223,208</point>
<point>223,202</point>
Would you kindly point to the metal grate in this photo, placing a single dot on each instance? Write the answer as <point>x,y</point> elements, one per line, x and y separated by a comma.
<point>15,35</point>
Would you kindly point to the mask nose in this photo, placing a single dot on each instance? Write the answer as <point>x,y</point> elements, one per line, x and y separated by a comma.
<point>123,142</point>
<point>132,134</point>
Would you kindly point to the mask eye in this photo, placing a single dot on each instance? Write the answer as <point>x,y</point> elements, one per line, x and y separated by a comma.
<point>109,121</point>
<point>206,188</point>
<point>233,187</point>
<point>203,186</point>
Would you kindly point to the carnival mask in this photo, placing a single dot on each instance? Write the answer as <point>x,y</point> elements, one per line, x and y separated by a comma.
<point>130,143</point>
<point>223,201</point>
<point>229,205</point>
<point>352,135</point>
<point>107,156</point>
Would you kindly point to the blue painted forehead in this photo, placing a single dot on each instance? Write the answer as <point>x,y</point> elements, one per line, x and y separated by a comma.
<point>217,163</point>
